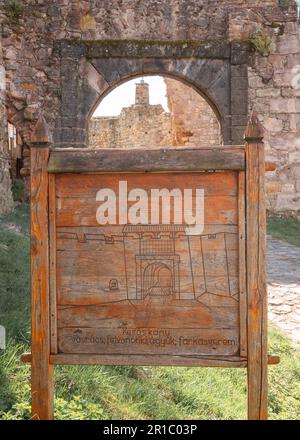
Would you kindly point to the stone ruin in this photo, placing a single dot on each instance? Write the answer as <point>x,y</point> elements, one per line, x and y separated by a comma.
<point>190,121</point>
<point>60,58</point>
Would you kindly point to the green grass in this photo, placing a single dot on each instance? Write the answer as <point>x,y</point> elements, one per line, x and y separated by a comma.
<point>95,392</point>
<point>285,229</point>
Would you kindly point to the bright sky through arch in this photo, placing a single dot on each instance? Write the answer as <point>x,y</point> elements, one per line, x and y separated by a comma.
<point>124,96</point>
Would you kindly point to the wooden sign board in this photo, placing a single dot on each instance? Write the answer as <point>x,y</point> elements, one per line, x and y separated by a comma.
<point>152,257</point>
<point>148,289</point>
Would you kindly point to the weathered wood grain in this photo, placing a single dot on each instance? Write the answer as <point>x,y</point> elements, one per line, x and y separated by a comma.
<point>222,183</point>
<point>256,278</point>
<point>77,204</point>
<point>83,359</point>
<point>193,341</point>
<point>180,315</point>
<point>42,371</point>
<point>153,359</point>
<point>151,160</point>
<point>53,266</point>
<point>242,265</point>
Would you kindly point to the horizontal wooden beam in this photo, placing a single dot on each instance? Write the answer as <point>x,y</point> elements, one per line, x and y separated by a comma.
<point>160,360</point>
<point>86,359</point>
<point>150,160</point>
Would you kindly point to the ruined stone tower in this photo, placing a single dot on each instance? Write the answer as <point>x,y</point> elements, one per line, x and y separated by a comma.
<point>142,93</point>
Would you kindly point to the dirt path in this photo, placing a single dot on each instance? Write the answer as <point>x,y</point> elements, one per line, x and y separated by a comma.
<point>284,286</point>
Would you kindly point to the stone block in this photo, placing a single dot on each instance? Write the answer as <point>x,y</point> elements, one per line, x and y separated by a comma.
<point>285,105</point>
<point>272,187</point>
<point>268,93</point>
<point>273,124</point>
<point>294,157</point>
<point>288,188</point>
<point>288,202</point>
<point>290,45</point>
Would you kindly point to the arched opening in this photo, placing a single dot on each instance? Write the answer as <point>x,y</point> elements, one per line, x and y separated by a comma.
<point>157,280</point>
<point>154,111</point>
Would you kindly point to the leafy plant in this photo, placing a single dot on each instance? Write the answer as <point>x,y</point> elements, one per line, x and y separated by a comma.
<point>14,10</point>
<point>261,42</point>
<point>286,3</point>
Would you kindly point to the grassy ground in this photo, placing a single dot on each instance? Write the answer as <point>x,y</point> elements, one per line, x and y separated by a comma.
<point>285,229</point>
<point>124,392</point>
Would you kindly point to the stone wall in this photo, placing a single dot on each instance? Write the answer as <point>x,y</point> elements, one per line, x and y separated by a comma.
<point>6,200</point>
<point>190,122</point>
<point>194,122</point>
<point>274,93</point>
<point>59,59</point>
<point>138,126</point>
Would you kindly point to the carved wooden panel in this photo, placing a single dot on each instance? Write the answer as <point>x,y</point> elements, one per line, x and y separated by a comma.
<point>145,289</point>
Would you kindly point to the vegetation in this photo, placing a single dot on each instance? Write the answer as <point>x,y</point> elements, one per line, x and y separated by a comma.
<point>287,3</point>
<point>14,10</point>
<point>261,42</point>
<point>285,229</point>
<point>17,189</point>
<point>95,392</point>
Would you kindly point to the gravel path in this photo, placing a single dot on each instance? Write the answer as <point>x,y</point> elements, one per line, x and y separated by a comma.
<point>284,286</point>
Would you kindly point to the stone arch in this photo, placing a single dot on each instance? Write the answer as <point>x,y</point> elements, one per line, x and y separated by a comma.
<point>90,72</point>
<point>191,120</point>
<point>171,75</point>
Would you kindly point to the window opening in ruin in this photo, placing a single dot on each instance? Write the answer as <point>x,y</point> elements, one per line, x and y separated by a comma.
<point>154,111</point>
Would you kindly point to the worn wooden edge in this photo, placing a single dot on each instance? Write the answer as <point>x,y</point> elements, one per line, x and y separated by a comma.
<point>242,263</point>
<point>41,136</point>
<point>146,160</point>
<point>254,131</point>
<point>42,384</point>
<point>87,359</point>
<point>52,264</point>
<point>256,284</point>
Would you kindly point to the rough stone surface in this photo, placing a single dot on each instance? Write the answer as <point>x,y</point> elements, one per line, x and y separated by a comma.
<point>284,287</point>
<point>6,199</point>
<point>190,122</point>
<point>61,57</point>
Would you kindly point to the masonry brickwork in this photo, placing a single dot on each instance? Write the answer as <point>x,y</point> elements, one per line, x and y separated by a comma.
<point>6,199</point>
<point>194,122</point>
<point>61,57</point>
<point>190,121</point>
<point>139,126</point>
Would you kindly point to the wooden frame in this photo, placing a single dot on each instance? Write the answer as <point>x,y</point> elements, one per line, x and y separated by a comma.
<point>247,161</point>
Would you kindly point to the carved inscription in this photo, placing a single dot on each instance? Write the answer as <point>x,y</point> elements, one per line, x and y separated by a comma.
<point>147,288</point>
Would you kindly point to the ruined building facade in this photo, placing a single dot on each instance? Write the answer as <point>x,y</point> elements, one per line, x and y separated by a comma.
<point>190,121</point>
<point>61,58</point>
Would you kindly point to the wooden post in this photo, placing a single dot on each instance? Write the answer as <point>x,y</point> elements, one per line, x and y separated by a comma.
<point>256,273</point>
<point>41,370</point>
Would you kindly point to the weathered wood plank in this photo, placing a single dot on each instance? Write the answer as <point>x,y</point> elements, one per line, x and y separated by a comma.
<point>118,314</point>
<point>151,160</point>
<point>75,211</point>
<point>223,183</point>
<point>256,278</point>
<point>42,371</point>
<point>242,266</point>
<point>77,204</point>
<point>53,266</point>
<point>144,360</point>
<point>192,341</point>
<point>98,360</point>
